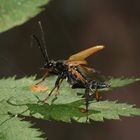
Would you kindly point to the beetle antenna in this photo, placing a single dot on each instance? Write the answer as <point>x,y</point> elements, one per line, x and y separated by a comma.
<point>40,47</point>
<point>43,41</point>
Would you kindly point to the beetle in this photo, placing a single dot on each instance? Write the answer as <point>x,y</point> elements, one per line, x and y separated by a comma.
<point>75,70</point>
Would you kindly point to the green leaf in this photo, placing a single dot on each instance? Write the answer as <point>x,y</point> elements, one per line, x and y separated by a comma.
<point>18,92</point>
<point>120,82</point>
<point>16,12</point>
<point>15,128</point>
<point>17,98</point>
<point>98,111</point>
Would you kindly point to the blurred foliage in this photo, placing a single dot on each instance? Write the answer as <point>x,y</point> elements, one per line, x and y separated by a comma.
<point>17,12</point>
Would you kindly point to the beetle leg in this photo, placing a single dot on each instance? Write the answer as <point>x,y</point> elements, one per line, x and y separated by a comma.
<point>43,78</point>
<point>97,96</point>
<point>87,97</point>
<point>96,93</point>
<point>89,94</point>
<point>87,103</point>
<point>94,88</point>
<point>57,85</point>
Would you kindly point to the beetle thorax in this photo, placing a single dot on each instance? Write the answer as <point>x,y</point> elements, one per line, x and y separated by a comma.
<point>55,66</point>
